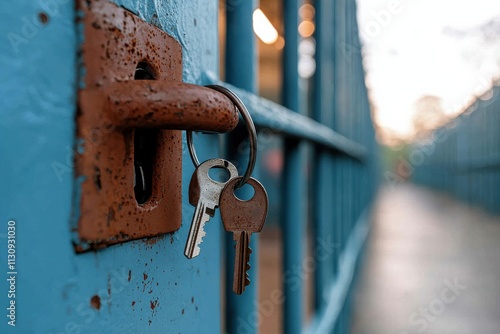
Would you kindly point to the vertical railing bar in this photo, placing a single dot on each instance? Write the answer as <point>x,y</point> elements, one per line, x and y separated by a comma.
<point>353,111</point>
<point>340,124</point>
<point>241,70</point>
<point>293,196</point>
<point>339,177</point>
<point>337,218</point>
<point>291,90</point>
<point>323,165</point>
<point>359,112</point>
<point>340,210</point>
<point>346,172</point>
<point>319,212</point>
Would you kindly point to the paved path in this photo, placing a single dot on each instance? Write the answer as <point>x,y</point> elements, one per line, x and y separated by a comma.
<point>432,266</point>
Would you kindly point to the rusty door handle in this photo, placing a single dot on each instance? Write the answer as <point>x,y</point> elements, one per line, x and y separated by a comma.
<point>108,119</point>
<point>163,105</point>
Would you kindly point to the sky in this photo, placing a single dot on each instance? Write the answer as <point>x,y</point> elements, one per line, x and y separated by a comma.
<point>413,48</point>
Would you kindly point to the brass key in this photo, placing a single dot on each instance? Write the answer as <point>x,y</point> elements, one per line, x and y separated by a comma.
<point>243,218</point>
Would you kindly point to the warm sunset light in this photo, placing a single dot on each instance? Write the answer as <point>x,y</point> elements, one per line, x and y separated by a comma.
<point>306,12</point>
<point>306,28</point>
<point>263,28</point>
<point>453,56</point>
<point>280,43</point>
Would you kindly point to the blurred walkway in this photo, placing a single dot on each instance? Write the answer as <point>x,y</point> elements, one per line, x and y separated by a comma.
<point>432,266</point>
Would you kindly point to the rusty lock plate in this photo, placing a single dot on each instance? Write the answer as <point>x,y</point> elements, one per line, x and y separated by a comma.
<point>112,106</point>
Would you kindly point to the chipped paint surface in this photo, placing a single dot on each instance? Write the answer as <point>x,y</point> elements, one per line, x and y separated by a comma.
<point>38,83</point>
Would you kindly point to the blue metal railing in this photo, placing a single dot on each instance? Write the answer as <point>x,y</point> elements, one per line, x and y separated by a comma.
<point>341,136</point>
<point>241,71</point>
<point>463,157</point>
<point>293,210</point>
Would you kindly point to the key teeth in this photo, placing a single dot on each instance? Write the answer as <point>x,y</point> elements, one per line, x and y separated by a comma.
<point>201,235</point>
<point>247,276</point>
<point>196,233</point>
<point>247,267</point>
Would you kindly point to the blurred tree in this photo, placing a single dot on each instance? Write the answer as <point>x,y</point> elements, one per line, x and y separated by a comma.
<point>429,114</point>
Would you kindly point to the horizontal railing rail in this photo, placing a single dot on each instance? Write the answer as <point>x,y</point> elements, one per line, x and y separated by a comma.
<point>270,115</point>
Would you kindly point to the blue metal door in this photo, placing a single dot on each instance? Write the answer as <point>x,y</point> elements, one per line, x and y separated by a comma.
<point>144,286</point>
<point>148,286</point>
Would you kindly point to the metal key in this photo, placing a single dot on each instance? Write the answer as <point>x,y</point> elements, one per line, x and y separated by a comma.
<point>243,218</point>
<point>204,194</point>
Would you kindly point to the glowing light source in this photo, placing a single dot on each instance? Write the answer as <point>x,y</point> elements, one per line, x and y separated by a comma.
<point>306,67</point>
<point>306,28</point>
<point>307,47</point>
<point>263,28</point>
<point>306,12</point>
<point>280,43</point>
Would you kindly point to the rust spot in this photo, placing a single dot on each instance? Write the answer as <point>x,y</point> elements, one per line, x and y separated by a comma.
<point>110,217</point>
<point>95,302</point>
<point>133,303</point>
<point>129,275</point>
<point>43,17</point>
<point>145,276</point>
<point>153,240</point>
<point>78,248</point>
<point>97,178</point>
<point>153,304</point>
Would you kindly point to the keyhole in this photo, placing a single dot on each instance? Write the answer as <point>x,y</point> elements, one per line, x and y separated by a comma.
<point>144,71</point>
<point>145,144</point>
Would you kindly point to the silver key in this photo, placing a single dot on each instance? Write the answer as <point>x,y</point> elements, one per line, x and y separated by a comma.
<point>204,193</point>
<point>243,218</point>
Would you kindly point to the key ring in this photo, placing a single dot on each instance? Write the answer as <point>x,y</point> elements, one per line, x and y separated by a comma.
<point>252,134</point>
